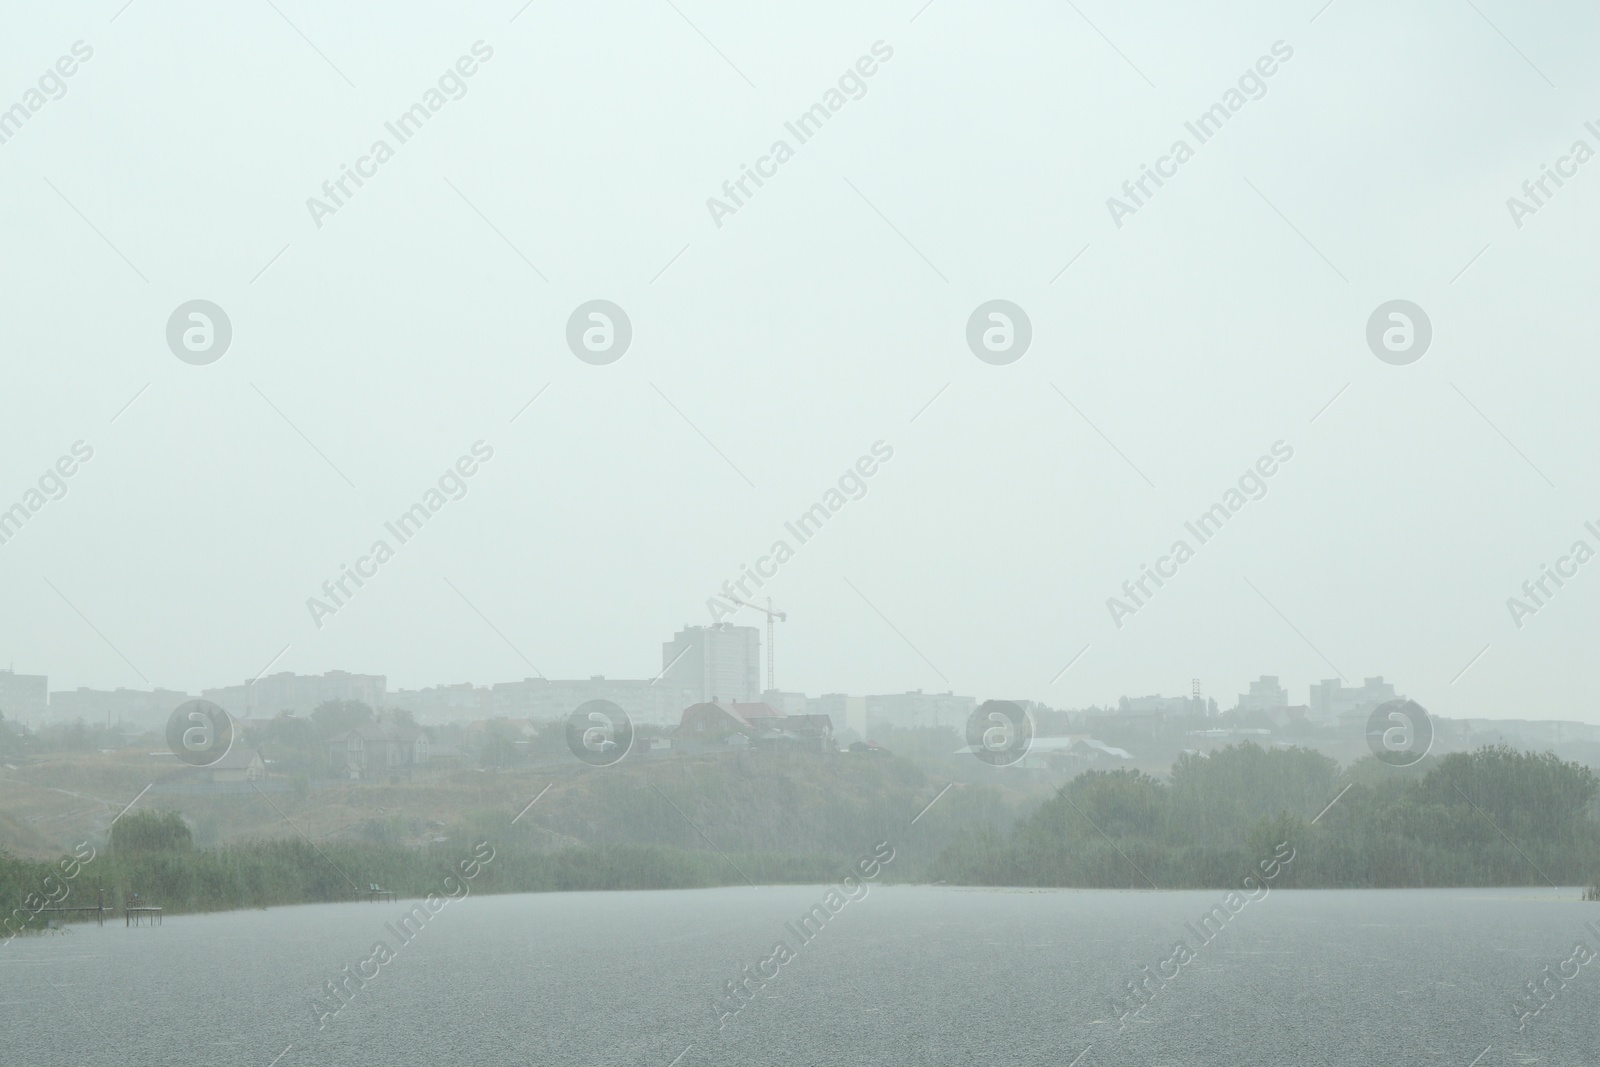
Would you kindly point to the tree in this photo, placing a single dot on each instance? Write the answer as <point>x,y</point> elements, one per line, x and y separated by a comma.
<point>292,742</point>
<point>1526,795</point>
<point>151,831</point>
<point>13,738</point>
<point>1216,797</point>
<point>337,716</point>
<point>499,746</point>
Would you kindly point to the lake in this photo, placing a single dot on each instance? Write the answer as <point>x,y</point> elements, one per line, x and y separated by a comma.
<point>901,976</point>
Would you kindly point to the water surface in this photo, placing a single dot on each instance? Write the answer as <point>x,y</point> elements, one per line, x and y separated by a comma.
<point>903,976</point>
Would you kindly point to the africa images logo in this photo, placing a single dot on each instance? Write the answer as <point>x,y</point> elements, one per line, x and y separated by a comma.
<point>999,732</point>
<point>1399,332</point>
<point>599,332</point>
<point>199,332</point>
<point>199,732</point>
<point>1399,732</point>
<point>599,733</point>
<point>999,332</point>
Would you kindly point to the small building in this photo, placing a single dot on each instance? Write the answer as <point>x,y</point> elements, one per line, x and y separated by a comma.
<point>241,764</point>
<point>808,733</point>
<point>713,722</point>
<point>815,725</point>
<point>735,723</point>
<point>376,749</point>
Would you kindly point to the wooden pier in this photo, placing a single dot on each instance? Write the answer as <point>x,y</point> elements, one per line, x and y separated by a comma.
<point>136,912</point>
<point>97,911</point>
<point>99,914</point>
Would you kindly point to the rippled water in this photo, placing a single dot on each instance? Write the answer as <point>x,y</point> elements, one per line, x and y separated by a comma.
<point>903,976</point>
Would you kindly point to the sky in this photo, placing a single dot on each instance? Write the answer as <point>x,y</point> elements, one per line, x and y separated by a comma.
<point>376,340</point>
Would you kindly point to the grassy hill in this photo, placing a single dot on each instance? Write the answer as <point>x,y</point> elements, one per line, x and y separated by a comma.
<point>829,806</point>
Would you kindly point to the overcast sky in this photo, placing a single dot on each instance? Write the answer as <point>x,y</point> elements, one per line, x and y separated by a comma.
<point>768,353</point>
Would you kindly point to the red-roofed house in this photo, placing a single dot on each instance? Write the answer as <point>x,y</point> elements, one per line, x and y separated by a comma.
<point>718,723</point>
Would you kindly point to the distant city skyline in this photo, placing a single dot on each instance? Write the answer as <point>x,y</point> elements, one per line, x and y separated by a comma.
<point>1425,528</point>
<point>717,661</point>
<point>653,700</point>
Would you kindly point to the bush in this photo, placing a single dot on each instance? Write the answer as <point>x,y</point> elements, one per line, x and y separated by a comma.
<point>151,831</point>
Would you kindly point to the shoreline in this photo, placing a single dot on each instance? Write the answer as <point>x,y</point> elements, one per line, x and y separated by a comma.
<point>1550,894</point>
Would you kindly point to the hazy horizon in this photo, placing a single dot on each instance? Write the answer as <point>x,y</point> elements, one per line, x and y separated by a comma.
<point>374,345</point>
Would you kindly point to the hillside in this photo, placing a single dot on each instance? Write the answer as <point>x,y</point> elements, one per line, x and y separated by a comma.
<point>737,802</point>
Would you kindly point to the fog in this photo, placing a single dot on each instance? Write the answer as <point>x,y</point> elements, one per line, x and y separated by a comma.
<point>773,345</point>
<point>915,533</point>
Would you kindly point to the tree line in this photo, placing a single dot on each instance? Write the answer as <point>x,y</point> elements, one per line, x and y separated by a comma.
<point>1494,817</point>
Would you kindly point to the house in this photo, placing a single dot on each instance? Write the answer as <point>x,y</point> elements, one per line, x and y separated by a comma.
<point>240,764</point>
<point>713,722</point>
<point>377,749</point>
<point>723,723</point>
<point>813,733</point>
<point>760,714</point>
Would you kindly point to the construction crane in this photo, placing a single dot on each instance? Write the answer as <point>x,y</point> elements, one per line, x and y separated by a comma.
<point>781,616</point>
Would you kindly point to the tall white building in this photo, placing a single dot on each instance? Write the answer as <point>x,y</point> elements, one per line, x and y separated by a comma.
<point>1265,694</point>
<point>23,697</point>
<point>1331,699</point>
<point>718,662</point>
<point>143,707</point>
